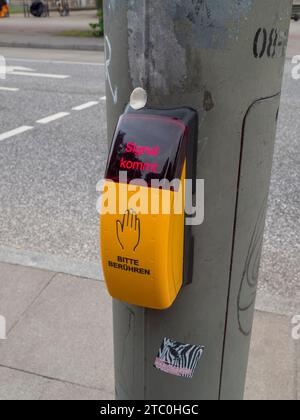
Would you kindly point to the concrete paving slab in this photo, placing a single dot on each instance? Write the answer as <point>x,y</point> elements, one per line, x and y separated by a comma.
<point>22,386</point>
<point>15,385</point>
<point>62,347</point>
<point>66,335</point>
<point>59,391</point>
<point>271,370</point>
<point>19,287</point>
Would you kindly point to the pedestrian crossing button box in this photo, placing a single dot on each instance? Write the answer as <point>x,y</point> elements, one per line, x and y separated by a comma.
<point>146,247</point>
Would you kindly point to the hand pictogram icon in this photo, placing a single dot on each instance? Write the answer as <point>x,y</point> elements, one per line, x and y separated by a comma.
<point>129,231</point>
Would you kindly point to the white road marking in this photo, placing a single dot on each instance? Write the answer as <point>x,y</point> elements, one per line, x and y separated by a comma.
<point>15,132</point>
<point>11,69</point>
<point>80,63</point>
<point>45,120</point>
<point>103,98</point>
<point>53,118</point>
<point>25,71</point>
<point>85,106</point>
<point>44,75</point>
<point>7,89</point>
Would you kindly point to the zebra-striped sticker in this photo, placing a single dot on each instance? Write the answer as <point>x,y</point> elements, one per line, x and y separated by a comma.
<point>178,359</point>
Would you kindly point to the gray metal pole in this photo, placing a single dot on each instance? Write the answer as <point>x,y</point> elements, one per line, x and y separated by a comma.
<point>224,58</point>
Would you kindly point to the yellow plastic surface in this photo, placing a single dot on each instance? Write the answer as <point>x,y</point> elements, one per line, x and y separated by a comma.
<point>142,254</point>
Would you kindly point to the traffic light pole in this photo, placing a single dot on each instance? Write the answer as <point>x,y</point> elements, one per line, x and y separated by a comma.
<point>225,59</point>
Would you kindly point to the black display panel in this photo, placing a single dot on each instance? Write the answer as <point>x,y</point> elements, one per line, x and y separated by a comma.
<point>147,147</point>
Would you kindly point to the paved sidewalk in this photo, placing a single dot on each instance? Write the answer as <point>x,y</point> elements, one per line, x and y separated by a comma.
<point>21,32</point>
<point>59,342</point>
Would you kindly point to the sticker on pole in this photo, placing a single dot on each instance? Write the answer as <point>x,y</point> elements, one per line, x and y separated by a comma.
<point>178,359</point>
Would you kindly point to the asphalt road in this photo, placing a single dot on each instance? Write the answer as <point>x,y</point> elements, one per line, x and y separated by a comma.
<point>49,173</point>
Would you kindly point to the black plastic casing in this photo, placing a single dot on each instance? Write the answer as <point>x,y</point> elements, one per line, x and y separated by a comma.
<point>182,148</point>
